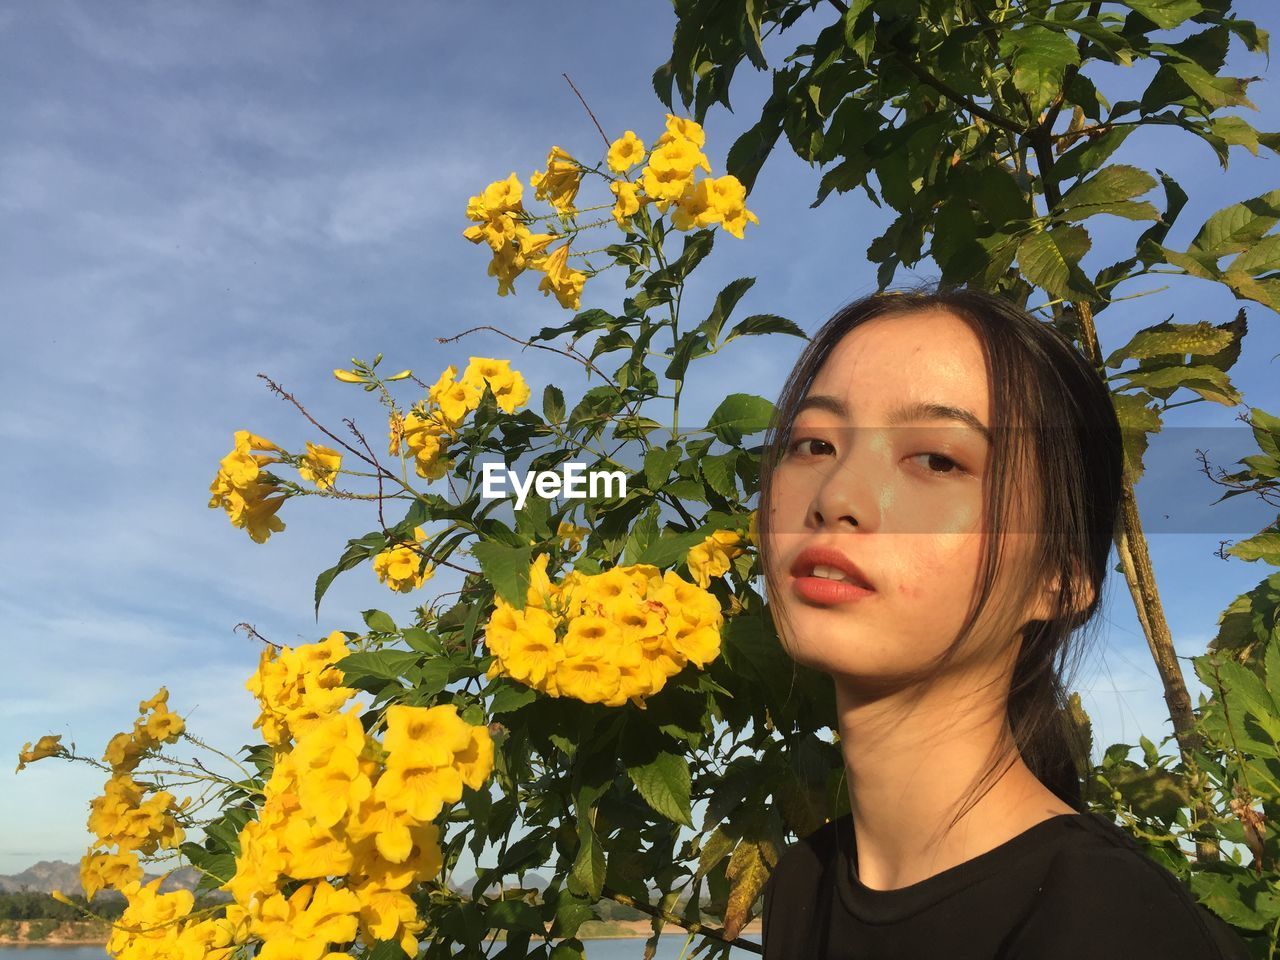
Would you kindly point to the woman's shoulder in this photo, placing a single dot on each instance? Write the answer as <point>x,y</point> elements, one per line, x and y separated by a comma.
<point>1100,884</point>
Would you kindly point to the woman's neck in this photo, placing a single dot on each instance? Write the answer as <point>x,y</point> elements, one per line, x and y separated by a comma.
<point>911,766</point>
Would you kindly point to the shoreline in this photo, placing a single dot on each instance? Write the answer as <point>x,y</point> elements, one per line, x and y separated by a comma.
<point>591,930</point>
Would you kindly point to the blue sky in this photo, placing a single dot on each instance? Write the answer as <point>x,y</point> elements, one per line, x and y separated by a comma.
<point>195,193</point>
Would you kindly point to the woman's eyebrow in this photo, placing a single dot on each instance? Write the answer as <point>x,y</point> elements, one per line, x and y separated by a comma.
<point>904,413</point>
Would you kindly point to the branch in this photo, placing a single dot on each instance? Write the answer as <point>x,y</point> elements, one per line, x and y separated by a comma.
<point>603,136</point>
<point>351,425</point>
<point>946,89</point>
<point>715,933</point>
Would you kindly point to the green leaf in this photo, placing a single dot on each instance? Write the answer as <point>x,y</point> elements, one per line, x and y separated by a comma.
<point>658,464</point>
<point>1051,260</point>
<point>378,621</point>
<point>740,414</point>
<point>1090,154</point>
<point>506,568</point>
<point>386,950</point>
<point>514,915</point>
<point>1117,181</point>
<point>692,344</point>
<point>1262,546</point>
<point>719,473</point>
<point>1137,419</point>
<point>1259,258</point>
<point>665,785</point>
<point>696,246</point>
<point>1040,59</point>
<point>553,404</point>
<point>765,323</point>
<point>643,533</point>
<point>356,553</point>
<point>1217,91</point>
<point>1165,14</point>
<point>670,548</point>
<point>377,665</point>
<point>510,696</point>
<point>726,300</point>
<point>586,876</point>
<point>1198,339</point>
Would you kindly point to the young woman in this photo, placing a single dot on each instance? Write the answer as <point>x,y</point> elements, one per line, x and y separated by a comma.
<point>938,500</point>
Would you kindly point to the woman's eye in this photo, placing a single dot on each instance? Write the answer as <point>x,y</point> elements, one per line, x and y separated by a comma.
<point>794,448</point>
<point>949,466</point>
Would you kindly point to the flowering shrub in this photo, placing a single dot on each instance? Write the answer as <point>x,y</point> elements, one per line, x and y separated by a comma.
<point>668,180</point>
<point>581,671</point>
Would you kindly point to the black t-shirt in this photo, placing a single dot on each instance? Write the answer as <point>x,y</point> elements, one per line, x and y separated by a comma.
<point>1073,886</point>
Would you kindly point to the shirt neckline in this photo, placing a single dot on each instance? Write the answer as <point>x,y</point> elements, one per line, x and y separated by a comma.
<point>887,906</point>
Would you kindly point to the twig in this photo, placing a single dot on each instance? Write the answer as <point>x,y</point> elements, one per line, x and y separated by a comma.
<point>603,135</point>
<point>276,388</point>
<point>351,424</point>
<point>252,633</point>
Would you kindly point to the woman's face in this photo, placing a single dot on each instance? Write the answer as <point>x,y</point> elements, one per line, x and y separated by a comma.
<point>902,498</point>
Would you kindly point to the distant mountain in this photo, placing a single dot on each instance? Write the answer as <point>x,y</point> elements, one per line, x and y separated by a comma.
<point>49,875</point>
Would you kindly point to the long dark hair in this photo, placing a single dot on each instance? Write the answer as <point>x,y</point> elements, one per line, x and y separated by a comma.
<point>1051,413</point>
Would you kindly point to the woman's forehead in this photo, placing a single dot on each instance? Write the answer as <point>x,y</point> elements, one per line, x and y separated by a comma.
<point>924,356</point>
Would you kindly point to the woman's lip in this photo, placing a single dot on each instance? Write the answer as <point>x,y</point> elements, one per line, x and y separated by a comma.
<point>825,591</point>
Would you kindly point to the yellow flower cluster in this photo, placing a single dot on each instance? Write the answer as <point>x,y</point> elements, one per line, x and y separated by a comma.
<point>604,638</point>
<point>342,807</point>
<point>667,179</point>
<point>121,817</point>
<point>713,557</point>
<point>159,926</point>
<point>500,220</point>
<point>296,686</point>
<point>240,489</point>
<point>320,465</point>
<point>47,746</point>
<point>427,428</point>
<point>572,535</point>
<point>398,566</point>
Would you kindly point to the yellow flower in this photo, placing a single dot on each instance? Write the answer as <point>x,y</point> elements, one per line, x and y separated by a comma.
<point>164,725</point>
<point>327,760</point>
<point>320,465</point>
<point>46,746</point>
<point>670,170</point>
<point>160,699</point>
<point>499,197</point>
<point>728,196</point>
<point>238,489</point>
<point>561,279</point>
<point>627,200</point>
<point>695,207</point>
<point>398,566</point>
<point>572,535</point>
<point>108,871</point>
<point>683,128</point>
<point>625,152</point>
<point>559,183</point>
<point>453,398</point>
<point>428,446</point>
<point>297,687</point>
<point>713,556</point>
<point>509,387</point>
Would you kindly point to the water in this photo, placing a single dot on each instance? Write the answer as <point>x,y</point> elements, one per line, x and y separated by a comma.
<point>627,948</point>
